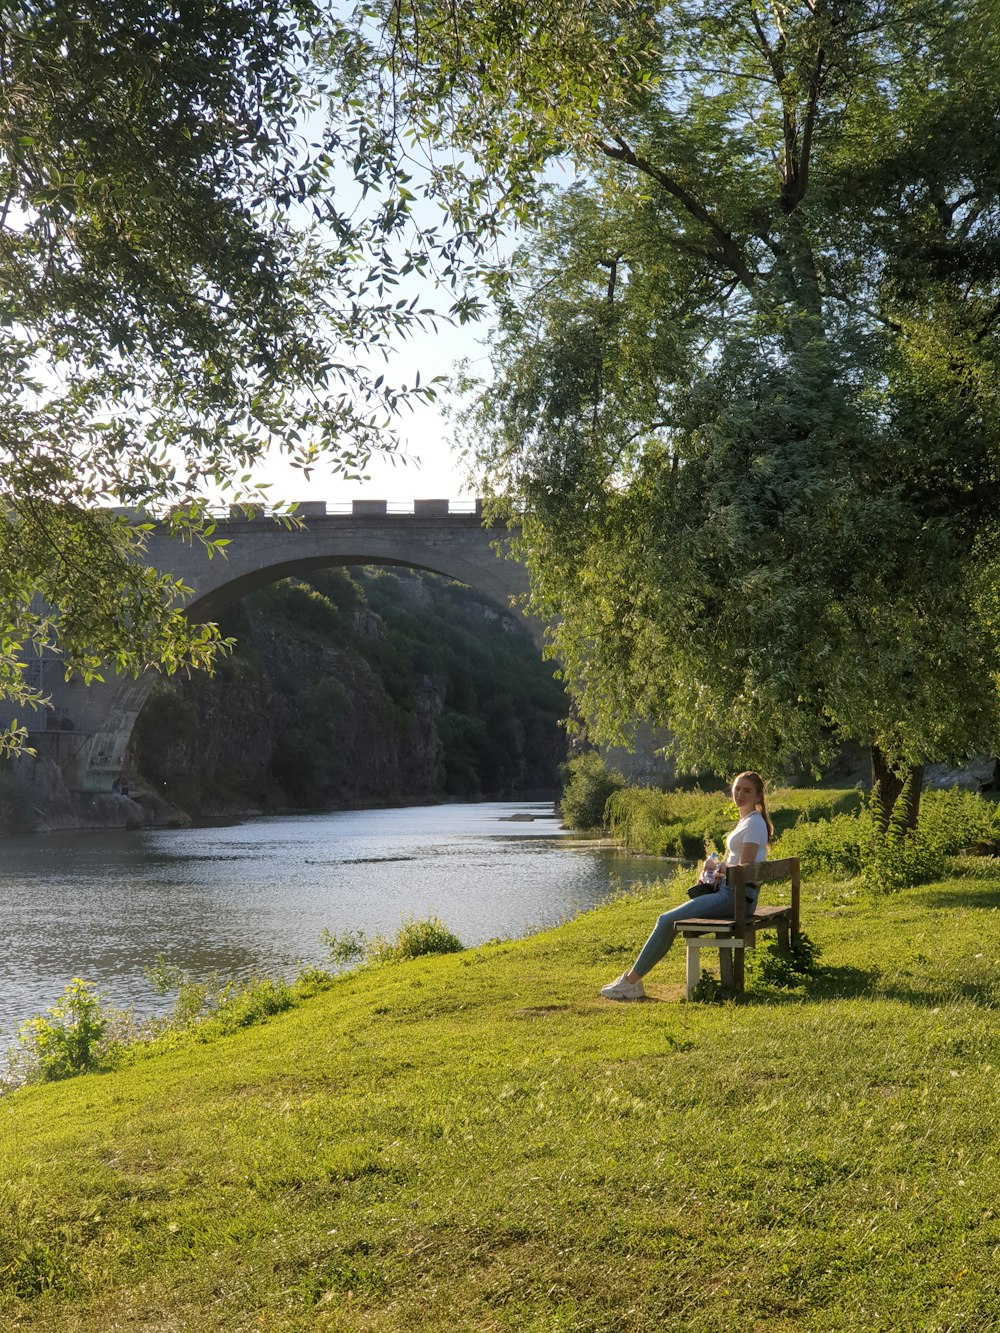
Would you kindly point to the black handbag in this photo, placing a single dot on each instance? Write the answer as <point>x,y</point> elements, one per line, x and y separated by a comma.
<point>700,889</point>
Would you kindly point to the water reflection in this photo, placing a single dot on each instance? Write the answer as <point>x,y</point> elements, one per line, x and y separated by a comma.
<point>233,899</point>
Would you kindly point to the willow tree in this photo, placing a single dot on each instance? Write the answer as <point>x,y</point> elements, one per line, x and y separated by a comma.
<point>745,396</point>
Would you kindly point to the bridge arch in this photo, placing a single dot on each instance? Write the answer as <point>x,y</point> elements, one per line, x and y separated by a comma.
<point>263,550</point>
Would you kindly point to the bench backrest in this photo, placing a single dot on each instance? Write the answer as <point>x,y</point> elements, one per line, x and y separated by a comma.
<point>766,872</point>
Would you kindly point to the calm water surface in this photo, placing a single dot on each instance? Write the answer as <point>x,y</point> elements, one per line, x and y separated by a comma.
<point>255,896</point>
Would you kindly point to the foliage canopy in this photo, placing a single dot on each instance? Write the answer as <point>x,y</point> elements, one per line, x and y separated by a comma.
<point>203,232</point>
<point>745,400</point>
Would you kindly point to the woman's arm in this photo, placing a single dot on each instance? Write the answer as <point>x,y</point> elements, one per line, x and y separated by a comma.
<point>748,854</point>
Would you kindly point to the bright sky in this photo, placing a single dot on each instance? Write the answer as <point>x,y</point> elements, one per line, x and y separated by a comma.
<point>432,469</point>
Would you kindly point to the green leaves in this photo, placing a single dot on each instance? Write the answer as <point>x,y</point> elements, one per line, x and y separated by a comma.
<point>200,234</point>
<point>743,401</point>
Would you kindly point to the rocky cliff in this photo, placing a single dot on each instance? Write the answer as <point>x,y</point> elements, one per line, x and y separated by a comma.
<point>359,687</point>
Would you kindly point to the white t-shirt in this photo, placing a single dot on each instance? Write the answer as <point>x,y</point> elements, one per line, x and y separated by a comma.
<point>750,829</point>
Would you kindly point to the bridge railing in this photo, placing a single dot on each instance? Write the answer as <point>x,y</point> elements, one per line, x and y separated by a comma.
<point>306,509</point>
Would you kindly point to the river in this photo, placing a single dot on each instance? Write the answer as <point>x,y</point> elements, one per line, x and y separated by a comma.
<point>255,896</point>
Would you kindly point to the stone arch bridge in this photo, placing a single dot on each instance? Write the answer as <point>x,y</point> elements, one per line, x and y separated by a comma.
<point>88,728</point>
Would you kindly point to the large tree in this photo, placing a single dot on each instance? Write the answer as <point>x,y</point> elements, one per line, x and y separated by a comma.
<point>201,238</point>
<point>745,396</point>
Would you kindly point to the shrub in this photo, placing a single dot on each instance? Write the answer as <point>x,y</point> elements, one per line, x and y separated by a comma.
<point>587,785</point>
<point>683,824</point>
<point>893,856</point>
<point>413,939</point>
<point>784,969</point>
<point>827,846</point>
<point>226,1005</point>
<point>346,948</point>
<point>66,1039</point>
<point>243,1003</point>
<point>953,819</point>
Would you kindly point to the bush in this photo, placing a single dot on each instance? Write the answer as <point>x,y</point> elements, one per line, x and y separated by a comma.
<point>784,969</point>
<point>413,939</point>
<point>824,846</point>
<point>895,857</point>
<point>953,819</point>
<point>587,785</point>
<point>225,1005</point>
<point>684,824</point>
<point>66,1039</point>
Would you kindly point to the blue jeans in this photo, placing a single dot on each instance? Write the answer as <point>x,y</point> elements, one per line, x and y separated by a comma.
<point>717,904</point>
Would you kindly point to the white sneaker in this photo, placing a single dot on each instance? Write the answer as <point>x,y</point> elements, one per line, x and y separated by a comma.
<point>623,989</point>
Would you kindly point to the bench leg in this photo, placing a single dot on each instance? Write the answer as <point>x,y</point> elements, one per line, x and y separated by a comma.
<point>783,940</point>
<point>693,955</point>
<point>727,967</point>
<point>739,970</point>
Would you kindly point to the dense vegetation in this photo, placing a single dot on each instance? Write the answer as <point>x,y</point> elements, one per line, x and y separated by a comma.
<point>742,401</point>
<point>478,1141</point>
<point>362,685</point>
<point>842,833</point>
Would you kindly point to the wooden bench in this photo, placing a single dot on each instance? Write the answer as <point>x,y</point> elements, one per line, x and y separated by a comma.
<point>733,936</point>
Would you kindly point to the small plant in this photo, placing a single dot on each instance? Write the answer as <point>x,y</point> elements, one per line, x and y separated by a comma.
<point>225,1005</point>
<point>587,785</point>
<point>413,939</point>
<point>345,948</point>
<point>66,1039</point>
<point>193,998</point>
<point>708,990</point>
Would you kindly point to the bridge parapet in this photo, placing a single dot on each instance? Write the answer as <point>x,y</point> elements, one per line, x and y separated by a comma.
<point>306,509</point>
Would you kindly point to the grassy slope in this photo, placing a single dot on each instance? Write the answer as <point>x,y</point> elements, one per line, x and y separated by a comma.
<point>480,1142</point>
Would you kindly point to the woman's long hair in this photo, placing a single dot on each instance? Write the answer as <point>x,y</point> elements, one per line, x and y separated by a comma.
<point>760,805</point>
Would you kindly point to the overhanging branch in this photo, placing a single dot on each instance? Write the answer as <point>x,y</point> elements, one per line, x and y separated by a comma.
<point>727,253</point>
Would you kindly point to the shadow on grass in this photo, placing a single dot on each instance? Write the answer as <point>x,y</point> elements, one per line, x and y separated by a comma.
<point>855,983</point>
<point>980,895</point>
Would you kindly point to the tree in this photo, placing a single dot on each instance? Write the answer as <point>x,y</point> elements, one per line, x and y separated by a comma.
<point>201,238</point>
<point>745,407</point>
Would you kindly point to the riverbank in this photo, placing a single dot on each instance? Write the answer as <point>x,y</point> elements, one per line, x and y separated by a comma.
<point>479,1142</point>
<point>35,799</point>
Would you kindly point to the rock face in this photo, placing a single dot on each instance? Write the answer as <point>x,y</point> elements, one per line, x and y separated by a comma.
<point>357,689</point>
<point>980,774</point>
<point>38,801</point>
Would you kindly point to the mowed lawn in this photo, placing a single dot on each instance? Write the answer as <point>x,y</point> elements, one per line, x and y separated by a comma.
<point>479,1141</point>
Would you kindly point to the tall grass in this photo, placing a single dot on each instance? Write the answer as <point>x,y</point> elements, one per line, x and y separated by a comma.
<point>685,824</point>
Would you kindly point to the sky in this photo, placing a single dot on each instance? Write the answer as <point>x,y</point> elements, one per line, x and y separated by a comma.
<point>431,468</point>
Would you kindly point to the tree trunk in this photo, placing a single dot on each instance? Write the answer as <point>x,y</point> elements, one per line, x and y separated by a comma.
<point>891,783</point>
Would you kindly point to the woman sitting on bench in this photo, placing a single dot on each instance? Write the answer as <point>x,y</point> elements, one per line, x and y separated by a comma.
<point>746,845</point>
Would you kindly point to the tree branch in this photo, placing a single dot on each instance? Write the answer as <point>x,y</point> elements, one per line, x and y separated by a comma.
<point>728,254</point>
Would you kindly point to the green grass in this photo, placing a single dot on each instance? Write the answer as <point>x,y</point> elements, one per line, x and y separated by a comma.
<point>478,1141</point>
